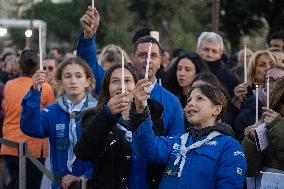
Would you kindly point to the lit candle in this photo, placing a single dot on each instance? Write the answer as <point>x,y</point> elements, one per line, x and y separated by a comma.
<point>267,92</point>
<point>256,104</point>
<point>122,73</point>
<point>40,48</point>
<point>245,65</point>
<point>148,61</point>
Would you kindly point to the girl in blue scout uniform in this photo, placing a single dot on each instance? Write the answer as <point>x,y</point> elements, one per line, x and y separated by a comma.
<point>206,157</point>
<point>107,139</point>
<point>59,121</point>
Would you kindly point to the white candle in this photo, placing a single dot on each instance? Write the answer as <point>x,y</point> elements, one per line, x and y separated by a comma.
<point>122,73</point>
<point>267,92</point>
<point>40,48</point>
<point>148,61</point>
<point>93,7</point>
<point>245,65</point>
<point>256,104</point>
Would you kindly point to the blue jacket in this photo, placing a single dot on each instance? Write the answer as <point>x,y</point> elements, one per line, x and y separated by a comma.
<point>219,163</point>
<point>86,49</point>
<point>52,122</point>
<point>173,114</point>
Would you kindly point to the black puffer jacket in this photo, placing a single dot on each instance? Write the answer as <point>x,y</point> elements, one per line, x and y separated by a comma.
<point>104,144</point>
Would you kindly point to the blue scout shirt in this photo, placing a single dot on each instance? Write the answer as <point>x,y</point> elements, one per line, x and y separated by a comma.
<point>52,122</point>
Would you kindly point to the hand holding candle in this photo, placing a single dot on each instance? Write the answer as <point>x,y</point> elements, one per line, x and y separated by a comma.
<point>38,79</point>
<point>141,94</point>
<point>90,21</point>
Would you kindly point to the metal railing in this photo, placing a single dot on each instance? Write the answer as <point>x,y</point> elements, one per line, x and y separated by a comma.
<point>23,155</point>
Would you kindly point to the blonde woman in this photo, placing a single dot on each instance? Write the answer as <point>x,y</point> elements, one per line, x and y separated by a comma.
<point>260,62</point>
<point>111,54</point>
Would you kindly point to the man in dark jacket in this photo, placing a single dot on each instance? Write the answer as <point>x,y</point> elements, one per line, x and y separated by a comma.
<point>210,48</point>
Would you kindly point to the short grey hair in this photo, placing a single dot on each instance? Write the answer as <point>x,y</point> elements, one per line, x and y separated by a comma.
<point>210,37</point>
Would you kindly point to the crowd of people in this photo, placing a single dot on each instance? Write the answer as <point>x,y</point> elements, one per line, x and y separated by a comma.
<point>144,120</point>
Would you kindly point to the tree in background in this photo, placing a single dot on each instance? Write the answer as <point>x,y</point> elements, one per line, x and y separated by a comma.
<point>63,23</point>
<point>273,13</point>
<point>180,22</point>
<point>177,21</point>
<point>241,18</point>
<point>117,22</point>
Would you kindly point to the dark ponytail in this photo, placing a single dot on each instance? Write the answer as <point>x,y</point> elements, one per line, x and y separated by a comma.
<point>29,62</point>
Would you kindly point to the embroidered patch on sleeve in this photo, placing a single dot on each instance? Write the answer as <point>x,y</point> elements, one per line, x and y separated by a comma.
<point>239,153</point>
<point>239,171</point>
<point>211,143</point>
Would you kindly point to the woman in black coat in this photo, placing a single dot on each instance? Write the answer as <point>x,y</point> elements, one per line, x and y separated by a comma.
<point>107,138</point>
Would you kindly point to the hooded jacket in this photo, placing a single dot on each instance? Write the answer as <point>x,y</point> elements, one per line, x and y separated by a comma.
<point>52,122</point>
<point>219,163</point>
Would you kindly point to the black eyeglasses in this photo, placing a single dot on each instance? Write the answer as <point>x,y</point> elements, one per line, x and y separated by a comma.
<point>49,68</point>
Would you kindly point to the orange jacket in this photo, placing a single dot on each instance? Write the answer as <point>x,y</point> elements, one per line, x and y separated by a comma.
<point>14,92</point>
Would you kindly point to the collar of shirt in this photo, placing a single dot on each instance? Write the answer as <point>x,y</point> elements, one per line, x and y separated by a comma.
<point>151,87</point>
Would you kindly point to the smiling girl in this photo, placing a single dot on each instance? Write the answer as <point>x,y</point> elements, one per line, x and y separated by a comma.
<point>59,121</point>
<point>205,157</point>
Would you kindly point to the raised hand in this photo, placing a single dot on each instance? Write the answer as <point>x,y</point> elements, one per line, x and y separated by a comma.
<point>119,103</point>
<point>240,92</point>
<point>249,131</point>
<point>67,181</point>
<point>141,94</point>
<point>90,22</point>
<point>269,115</point>
<point>38,79</point>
